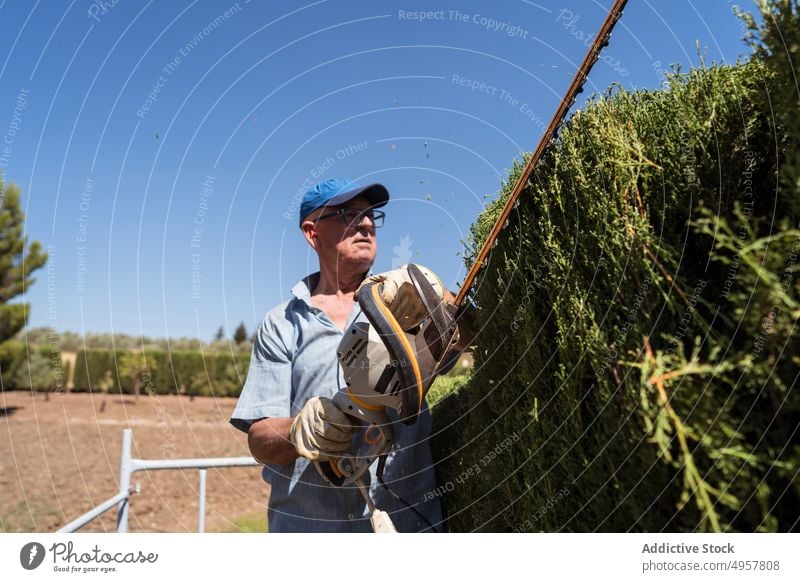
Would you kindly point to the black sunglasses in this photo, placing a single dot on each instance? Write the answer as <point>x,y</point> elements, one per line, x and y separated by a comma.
<point>353,216</point>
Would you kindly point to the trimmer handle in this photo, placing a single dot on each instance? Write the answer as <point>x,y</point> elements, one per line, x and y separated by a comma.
<point>376,441</point>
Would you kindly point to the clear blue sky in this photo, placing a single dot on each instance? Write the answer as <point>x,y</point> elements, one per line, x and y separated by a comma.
<point>160,146</point>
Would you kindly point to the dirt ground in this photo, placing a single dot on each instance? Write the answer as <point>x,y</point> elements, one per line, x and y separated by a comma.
<point>59,458</point>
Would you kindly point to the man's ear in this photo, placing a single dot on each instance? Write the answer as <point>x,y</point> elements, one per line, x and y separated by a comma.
<point>310,232</point>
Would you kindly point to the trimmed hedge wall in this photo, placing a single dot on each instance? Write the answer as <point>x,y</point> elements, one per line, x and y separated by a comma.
<point>184,372</point>
<point>93,370</point>
<point>638,339</point>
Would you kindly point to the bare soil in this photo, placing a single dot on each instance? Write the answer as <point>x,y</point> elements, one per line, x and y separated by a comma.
<point>59,458</point>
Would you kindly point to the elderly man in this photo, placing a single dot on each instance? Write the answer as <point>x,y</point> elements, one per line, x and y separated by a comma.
<point>285,405</point>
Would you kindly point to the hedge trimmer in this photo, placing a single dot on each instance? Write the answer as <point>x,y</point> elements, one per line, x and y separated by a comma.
<point>390,362</point>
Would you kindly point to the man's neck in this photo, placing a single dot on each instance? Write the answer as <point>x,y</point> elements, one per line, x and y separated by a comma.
<point>338,281</point>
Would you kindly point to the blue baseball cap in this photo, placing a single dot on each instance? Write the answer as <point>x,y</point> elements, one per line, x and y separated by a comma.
<point>338,191</point>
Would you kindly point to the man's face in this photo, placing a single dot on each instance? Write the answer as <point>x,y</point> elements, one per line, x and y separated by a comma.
<point>337,242</point>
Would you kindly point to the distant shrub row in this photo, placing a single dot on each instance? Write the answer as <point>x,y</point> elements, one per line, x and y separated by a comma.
<point>187,372</point>
<point>184,372</point>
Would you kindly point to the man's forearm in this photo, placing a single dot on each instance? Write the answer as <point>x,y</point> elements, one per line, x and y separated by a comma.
<point>269,442</point>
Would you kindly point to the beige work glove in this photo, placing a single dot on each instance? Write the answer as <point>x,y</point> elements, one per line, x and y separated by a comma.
<point>321,432</point>
<point>401,297</point>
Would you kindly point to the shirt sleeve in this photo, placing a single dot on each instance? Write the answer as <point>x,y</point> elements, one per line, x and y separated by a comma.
<point>268,387</point>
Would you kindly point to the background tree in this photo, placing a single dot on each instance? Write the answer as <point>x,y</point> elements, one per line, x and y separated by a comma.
<point>35,373</point>
<point>220,335</point>
<point>18,260</point>
<point>240,335</point>
<point>134,369</point>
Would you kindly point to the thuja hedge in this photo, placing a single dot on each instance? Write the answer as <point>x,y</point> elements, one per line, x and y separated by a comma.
<point>637,331</point>
<point>160,372</point>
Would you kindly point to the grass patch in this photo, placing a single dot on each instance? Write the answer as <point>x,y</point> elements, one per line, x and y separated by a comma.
<point>255,523</point>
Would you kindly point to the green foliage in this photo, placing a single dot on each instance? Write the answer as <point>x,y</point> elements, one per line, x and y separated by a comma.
<point>443,386</point>
<point>67,341</point>
<point>230,372</point>
<point>240,335</point>
<point>639,321</point>
<point>12,318</point>
<point>34,373</point>
<point>39,369</point>
<point>94,371</point>
<point>12,355</point>
<point>18,260</point>
<point>255,523</point>
<point>160,372</point>
<point>777,42</point>
<point>135,369</point>
<point>70,341</point>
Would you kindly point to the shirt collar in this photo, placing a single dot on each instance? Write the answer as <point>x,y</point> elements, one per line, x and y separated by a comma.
<point>304,287</point>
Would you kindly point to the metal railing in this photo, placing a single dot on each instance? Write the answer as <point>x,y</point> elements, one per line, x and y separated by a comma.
<point>128,466</point>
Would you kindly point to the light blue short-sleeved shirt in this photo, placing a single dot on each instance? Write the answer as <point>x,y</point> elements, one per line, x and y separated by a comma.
<point>294,359</point>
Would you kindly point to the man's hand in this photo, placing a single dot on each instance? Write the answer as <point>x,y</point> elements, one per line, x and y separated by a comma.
<point>321,432</point>
<point>401,298</point>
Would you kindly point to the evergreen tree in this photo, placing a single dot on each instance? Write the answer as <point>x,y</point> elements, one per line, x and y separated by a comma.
<point>135,369</point>
<point>34,374</point>
<point>18,260</point>
<point>220,335</point>
<point>240,335</point>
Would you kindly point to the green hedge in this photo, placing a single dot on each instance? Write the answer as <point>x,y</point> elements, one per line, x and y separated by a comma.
<point>186,372</point>
<point>637,361</point>
<point>37,368</point>
<point>161,372</point>
<point>94,370</point>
